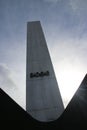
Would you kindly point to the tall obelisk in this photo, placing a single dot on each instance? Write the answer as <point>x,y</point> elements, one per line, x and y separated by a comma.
<point>43,99</point>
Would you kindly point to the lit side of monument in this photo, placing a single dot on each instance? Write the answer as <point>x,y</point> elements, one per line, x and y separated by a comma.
<point>43,99</point>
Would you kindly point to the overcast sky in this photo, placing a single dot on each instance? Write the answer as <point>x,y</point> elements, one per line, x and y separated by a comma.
<point>64,23</point>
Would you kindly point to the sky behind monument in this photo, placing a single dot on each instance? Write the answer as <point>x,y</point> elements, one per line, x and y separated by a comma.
<point>64,23</point>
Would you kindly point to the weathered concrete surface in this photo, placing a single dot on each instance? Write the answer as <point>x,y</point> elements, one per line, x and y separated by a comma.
<point>43,99</point>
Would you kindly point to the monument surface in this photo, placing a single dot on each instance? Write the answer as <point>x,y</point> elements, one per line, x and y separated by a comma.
<point>43,99</point>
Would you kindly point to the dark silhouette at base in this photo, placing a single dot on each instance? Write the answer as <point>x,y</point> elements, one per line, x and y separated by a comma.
<point>74,116</point>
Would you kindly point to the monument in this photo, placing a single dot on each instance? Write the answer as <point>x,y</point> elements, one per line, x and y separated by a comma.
<point>43,99</point>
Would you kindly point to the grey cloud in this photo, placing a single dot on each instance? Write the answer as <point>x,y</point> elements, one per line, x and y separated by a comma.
<point>78,5</point>
<point>6,81</point>
<point>52,1</point>
<point>8,85</point>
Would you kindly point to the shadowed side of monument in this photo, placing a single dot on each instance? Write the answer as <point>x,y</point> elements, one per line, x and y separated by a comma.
<point>43,99</point>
